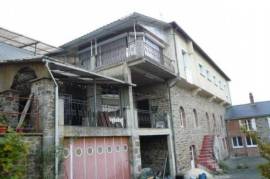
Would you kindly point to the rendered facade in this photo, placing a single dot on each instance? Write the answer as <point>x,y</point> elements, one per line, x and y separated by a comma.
<point>136,93</point>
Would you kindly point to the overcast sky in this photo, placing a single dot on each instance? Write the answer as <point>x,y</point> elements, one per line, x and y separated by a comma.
<point>234,33</point>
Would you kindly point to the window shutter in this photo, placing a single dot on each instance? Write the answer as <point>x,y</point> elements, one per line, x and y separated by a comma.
<point>253,124</point>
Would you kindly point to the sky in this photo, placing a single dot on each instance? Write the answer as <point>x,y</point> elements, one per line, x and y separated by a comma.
<point>234,33</point>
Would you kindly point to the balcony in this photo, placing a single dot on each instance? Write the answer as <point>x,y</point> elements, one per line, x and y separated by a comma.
<point>140,55</point>
<point>78,113</point>
<point>147,119</point>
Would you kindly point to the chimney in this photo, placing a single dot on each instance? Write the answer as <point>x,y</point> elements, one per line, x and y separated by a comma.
<point>251,98</point>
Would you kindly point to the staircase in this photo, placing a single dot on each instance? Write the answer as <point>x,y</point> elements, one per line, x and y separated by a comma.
<point>206,157</point>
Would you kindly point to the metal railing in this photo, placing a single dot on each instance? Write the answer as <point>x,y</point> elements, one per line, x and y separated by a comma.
<point>79,113</point>
<point>12,108</point>
<point>147,119</point>
<point>138,49</point>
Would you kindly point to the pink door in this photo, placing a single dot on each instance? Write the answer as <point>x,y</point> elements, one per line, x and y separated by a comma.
<point>96,158</point>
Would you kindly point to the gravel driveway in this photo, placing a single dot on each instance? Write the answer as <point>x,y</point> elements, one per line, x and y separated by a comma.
<point>248,168</point>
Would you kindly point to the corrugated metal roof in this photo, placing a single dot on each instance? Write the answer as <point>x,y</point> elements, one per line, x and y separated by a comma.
<point>26,43</point>
<point>11,52</point>
<point>258,109</point>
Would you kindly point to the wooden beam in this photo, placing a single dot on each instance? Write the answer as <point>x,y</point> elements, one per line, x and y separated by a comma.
<point>26,108</point>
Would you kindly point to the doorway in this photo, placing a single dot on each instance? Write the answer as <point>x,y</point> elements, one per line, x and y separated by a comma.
<point>192,156</point>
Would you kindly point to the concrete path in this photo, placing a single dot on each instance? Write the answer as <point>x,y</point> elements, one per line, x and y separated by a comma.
<point>248,169</point>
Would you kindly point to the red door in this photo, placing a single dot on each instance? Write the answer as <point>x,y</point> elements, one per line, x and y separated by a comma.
<point>97,158</point>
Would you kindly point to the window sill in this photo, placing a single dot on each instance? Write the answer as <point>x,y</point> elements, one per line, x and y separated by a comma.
<point>240,147</point>
<point>251,146</point>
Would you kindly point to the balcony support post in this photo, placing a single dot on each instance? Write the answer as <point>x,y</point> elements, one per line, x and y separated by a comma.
<point>95,101</point>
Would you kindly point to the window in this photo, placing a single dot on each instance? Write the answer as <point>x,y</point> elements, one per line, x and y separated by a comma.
<point>237,142</point>
<point>208,75</point>
<point>249,124</point>
<point>215,80</point>
<point>214,121</point>
<point>251,142</point>
<point>195,117</point>
<point>208,120</point>
<point>201,70</point>
<point>221,122</point>
<point>268,119</point>
<point>182,117</point>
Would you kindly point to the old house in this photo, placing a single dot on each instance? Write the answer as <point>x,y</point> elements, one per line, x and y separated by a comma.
<point>136,93</point>
<point>254,116</point>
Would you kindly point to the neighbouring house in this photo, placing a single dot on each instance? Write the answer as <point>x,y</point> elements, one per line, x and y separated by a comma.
<point>254,116</point>
<point>136,93</point>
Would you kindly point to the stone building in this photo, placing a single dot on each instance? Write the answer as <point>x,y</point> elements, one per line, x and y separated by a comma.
<point>254,116</point>
<point>136,93</point>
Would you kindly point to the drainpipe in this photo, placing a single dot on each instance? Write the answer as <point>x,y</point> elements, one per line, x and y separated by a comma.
<point>56,139</point>
<point>172,128</point>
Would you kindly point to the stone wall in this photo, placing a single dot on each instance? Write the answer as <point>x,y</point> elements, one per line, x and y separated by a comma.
<point>192,134</point>
<point>9,106</point>
<point>154,150</point>
<point>44,92</point>
<point>34,160</point>
<point>263,128</point>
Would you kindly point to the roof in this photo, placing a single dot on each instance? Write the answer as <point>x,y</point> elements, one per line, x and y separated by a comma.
<point>68,72</point>
<point>25,43</point>
<point>114,26</point>
<point>258,109</point>
<point>72,73</point>
<point>11,52</point>
<point>129,21</point>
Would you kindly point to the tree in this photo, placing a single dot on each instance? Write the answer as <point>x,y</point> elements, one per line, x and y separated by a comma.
<point>13,156</point>
<point>264,149</point>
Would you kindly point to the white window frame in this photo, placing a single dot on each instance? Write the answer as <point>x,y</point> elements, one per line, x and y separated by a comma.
<point>237,141</point>
<point>246,122</point>
<point>252,145</point>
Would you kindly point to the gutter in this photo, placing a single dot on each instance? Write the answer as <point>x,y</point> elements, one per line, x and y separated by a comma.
<point>56,139</point>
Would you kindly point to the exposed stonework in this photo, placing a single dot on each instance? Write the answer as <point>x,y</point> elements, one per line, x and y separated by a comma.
<point>190,134</point>
<point>34,162</point>
<point>43,90</point>
<point>9,106</point>
<point>154,150</point>
<point>263,128</point>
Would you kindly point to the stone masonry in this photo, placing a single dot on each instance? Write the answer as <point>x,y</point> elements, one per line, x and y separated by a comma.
<point>191,135</point>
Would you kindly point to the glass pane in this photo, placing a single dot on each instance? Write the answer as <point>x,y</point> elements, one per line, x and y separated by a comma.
<point>240,141</point>
<point>248,140</point>
<point>234,141</point>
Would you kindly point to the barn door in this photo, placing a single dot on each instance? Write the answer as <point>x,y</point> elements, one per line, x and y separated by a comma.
<point>97,158</point>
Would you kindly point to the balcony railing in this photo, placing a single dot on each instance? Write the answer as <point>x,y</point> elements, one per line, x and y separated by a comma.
<point>147,119</point>
<point>79,113</point>
<point>137,49</point>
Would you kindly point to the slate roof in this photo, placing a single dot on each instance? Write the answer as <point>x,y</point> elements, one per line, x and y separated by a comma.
<point>11,52</point>
<point>258,109</point>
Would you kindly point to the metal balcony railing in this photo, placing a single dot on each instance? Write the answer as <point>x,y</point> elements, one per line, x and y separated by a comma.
<point>147,119</point>
<point>79,113</point>
<point>134,49</point>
